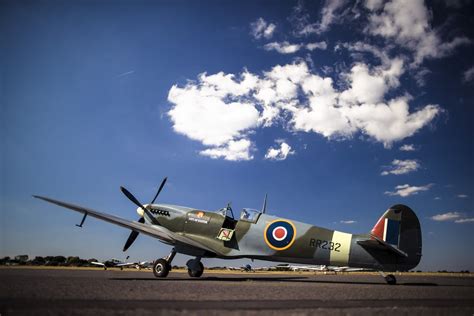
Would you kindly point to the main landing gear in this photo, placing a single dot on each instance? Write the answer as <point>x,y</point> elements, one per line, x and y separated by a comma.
<point>162,266</point>
<point>389,278</point>
<point>195,267</point>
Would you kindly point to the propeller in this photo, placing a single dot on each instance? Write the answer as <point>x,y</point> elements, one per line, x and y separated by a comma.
<point>134,234</point>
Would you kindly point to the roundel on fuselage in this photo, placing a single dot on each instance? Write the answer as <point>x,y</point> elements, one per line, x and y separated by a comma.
<point>279,234</point>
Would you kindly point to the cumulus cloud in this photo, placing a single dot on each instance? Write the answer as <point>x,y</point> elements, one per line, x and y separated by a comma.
<point>399,167</point>
<point>233,151</point>
<point>202,114</point>
<point>279,153</point>
<point>407,190</point>
<point>348,222</point>
<point>260,28</point>
<point>408,24</point>
<point>288,48</point>
<point>222,108</point>
<point>407,147</point>
<point>370,85</point>
<point>468,74</point>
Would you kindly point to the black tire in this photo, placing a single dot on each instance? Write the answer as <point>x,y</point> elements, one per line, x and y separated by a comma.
<point>197,273</point>
<point>391,279</point>
<point>161,268</point>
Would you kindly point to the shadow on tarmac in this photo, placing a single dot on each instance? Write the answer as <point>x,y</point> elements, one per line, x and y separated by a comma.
<point>270,279</point>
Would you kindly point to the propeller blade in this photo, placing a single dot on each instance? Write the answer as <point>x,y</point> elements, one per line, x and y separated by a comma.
<point>133,236</point>
<point>131,198</point>
<point>159,190</point>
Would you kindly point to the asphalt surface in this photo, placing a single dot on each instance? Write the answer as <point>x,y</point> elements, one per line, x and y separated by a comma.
<point>115,292</point>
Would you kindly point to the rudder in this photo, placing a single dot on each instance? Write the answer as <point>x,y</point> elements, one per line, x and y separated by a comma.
<point>399,227</point>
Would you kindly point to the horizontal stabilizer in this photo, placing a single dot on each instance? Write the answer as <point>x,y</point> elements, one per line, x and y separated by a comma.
<point>378,244</point>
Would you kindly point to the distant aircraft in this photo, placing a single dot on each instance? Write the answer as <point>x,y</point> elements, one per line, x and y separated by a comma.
<point>393,244</point>
<point>290,267</point>
<point>113,263</point>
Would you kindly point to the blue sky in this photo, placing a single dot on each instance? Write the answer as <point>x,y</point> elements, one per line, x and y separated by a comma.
<point>336,110</point>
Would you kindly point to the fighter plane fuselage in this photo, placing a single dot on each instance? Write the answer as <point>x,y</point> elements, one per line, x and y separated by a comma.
<point>272,238</point>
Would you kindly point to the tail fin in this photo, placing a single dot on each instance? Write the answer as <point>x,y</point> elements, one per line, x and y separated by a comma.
<point>397,232</point>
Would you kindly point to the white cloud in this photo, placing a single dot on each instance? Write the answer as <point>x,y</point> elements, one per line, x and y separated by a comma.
<point>367,48</point>
<point>283,47</point>
<point>348,222</point>
<point>260,28</point>
<point>329,16</point>
<point>468,74</point>
<point>287,48</point>
<point>399,167</point>
<point>408,24</point>
<point>233,151</point>
<point>407,190</point>
<point>219,108</point>
<point>457,217</point>
<point>390,122</point>
<point>420,76</point>
<point>279,153</point>
<point>437,198</point>
<point>370,85</point>
<point>373,4</point>
<point>407,147</point>
<point>464,220</point>
<point>316,45</point>
<point>449,216</point>
<point>203,115</point>
<point>462,196</point>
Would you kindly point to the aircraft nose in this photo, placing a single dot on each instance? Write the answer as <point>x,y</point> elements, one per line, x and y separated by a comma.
<point>140,211</point>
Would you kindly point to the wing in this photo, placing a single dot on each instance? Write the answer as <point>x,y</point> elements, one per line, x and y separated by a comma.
<point>126,264</point>
<point>98,264</point>
<point>159,232</point>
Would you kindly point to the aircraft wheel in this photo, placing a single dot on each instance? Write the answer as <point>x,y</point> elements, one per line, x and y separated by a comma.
<point>161,268</point>
<point>391,279</point>
<point>196,273</point>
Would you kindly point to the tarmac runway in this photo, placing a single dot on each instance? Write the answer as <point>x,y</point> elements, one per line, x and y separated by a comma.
<point>113,292</point>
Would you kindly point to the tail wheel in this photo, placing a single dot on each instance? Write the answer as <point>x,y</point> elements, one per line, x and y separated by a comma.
<point>161,268</point>
<point>390,279</point>
<point>196,273</point>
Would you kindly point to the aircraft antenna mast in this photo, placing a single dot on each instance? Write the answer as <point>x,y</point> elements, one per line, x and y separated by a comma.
<point>264,208</point>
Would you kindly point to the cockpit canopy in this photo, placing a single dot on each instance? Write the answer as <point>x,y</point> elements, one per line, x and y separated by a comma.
<point>247,214</point>
<point>250,215</point>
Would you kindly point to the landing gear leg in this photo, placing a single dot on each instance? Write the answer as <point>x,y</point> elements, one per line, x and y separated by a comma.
<point>195,267</point>
<point>162,266</point>
<point>389,278</point>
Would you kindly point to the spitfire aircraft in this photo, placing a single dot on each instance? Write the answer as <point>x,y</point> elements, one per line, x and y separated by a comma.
<point>393,244</point>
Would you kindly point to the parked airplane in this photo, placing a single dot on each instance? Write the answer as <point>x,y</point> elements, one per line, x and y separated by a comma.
<point>394,243</point>
<point>113,263</point>
<point>325,268</point>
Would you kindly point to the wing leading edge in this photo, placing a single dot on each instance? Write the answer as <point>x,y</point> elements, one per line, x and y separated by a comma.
<point>159,232</point>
